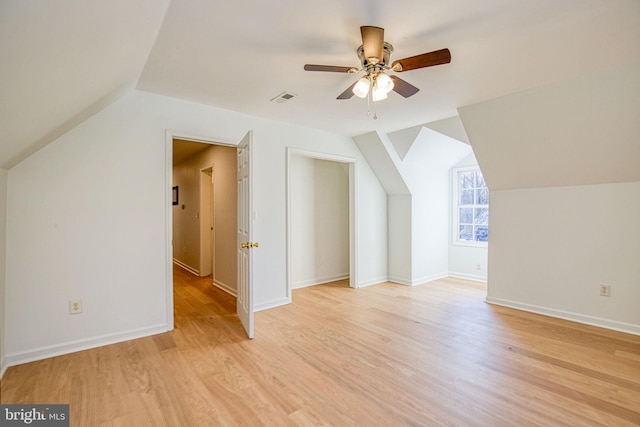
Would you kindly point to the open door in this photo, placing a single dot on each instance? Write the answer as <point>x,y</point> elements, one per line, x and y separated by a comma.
<point>244,300</point>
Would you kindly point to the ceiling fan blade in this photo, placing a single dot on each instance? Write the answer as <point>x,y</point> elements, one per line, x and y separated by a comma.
<point>437,57</point>
<point>403,88</point>
<point>330,68</point>
<point>347,93</point>
<point>373,43</point>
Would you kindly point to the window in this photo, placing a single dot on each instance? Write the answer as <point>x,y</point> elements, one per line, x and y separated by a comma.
<point>470,207</point>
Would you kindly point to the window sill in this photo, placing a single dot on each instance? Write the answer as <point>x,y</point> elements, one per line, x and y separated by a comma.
<point>471,244</point>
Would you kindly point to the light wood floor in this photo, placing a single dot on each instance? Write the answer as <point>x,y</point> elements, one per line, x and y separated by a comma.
<point>386,355</point>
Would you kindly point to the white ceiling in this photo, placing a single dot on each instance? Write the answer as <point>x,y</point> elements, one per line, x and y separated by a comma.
<point>64,61</point>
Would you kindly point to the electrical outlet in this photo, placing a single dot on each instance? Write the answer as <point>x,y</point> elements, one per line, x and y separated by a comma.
<point>605,290</point>
<point>75,306</point>
<point>478,267</point>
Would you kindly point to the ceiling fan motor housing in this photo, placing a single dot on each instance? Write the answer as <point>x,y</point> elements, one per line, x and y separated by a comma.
<point>371,67</point>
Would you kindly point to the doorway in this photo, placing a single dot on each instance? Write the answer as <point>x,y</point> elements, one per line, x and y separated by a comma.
<point>202,219</point>
<point>321,204</point>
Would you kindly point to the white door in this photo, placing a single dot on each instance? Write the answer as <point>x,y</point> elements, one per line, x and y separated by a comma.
<point>244,301</point>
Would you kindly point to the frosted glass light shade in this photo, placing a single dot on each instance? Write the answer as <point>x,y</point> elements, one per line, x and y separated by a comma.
<point>361,89</point>
<point>384,83</point>
<point>378,94</point>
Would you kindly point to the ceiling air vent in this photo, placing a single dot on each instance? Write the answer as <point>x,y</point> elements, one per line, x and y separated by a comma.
<point>284,96</point>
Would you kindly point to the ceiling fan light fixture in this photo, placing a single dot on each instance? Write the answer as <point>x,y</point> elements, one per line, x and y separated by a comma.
<point>375,58</point>
<point>384,83</point>
<point>361,89</point>
<point>378,94</point>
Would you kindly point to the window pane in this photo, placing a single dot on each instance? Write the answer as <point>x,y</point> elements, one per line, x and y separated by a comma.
<point>481,216</point>
<point>479,180</point>
<point>481,233</point>
<point>466,232</point>
<point>466,180</point>
<point>471,206</point>
<point>466,197</point>
<point>466,215</point>
<point>482,197</point>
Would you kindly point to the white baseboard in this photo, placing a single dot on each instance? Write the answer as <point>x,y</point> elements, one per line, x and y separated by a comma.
<point>399,280</point>
<point>224,287</point>
<point>372,282</point>
<point>79,345</point>
<point>567,315</point>
<point>319,281</point>
<point>465,276</point>
<point>186,267</point>
<point>420,281</point>
<point>3,367</point>
<point>430,278</point>
<point>271,304</point>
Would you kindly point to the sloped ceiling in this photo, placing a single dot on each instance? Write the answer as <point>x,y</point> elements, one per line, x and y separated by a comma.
<point>585,131</point>
<point>64,60</point>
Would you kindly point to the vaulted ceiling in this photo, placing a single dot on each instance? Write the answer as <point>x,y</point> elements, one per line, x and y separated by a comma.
<point>63,61</point>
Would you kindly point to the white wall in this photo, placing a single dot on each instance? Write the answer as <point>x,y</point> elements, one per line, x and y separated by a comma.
<point>205,219</point>
<point>425,168</point>
<point>86,219</point>
<point>186,214</point>
<point>3,239</point>
<point>225,205</point>
<point>562,163</point>
<point>551,248</point>
<point>383,157</point>
<point>372,233</point>
<point>413,167</point>
<point>319,221</point>
<point>400,223</point>
<point>465,260</point>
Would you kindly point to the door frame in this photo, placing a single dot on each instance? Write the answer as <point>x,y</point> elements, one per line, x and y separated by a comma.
<point>353,214</point>
<point>170,135</point>
<point>207,189</point>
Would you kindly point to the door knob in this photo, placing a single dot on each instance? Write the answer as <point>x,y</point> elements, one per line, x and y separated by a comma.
<point>245,245</point>
<point>253,245</point>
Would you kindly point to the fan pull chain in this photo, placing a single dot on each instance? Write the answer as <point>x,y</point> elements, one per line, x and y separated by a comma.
<point>375,108</point>
<point>375,104</point>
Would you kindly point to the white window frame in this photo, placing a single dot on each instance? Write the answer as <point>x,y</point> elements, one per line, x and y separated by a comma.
<point>455,209</point>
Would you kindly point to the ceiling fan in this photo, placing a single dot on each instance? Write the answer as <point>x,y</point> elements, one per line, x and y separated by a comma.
<point>375,56</point>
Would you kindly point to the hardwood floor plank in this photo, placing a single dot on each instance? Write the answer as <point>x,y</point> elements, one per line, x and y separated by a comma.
<point>429,355</point>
